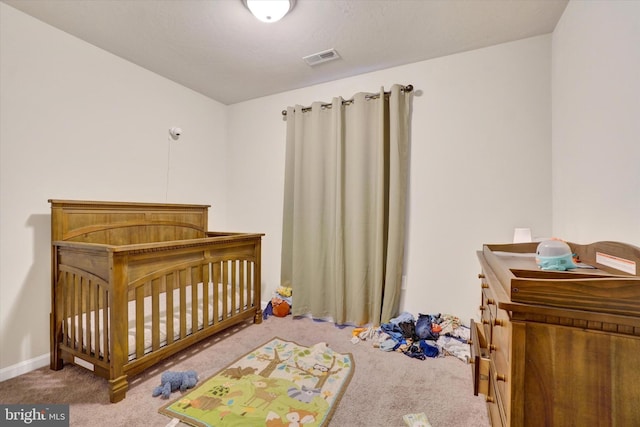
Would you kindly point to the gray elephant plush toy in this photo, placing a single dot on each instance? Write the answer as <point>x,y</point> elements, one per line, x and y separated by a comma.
<point>172,381</point>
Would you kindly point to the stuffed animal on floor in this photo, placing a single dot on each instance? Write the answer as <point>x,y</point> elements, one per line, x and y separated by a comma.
<point>172,381</point>
<point>281,308</point>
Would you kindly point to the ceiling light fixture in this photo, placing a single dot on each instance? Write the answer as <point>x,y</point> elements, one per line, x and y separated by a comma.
<point>269,10</point>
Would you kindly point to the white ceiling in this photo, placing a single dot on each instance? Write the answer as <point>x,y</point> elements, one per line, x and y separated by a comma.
<point>217,48</point>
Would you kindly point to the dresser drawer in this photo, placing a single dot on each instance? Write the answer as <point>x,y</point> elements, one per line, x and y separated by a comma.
<point>488,309</point>
<point>495,344</point>
<point>497,404</point>
<point>500,355</point>
<point>480,362</point>
<point>494,413</point>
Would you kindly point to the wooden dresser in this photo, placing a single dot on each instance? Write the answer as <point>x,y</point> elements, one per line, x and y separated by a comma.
<point>559,348</point>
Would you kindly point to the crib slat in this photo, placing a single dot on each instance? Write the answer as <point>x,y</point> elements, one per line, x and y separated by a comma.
<point>155,314</point>
<point>170,285</point>
<point>69,299</point>
<point>193,281</point>
<point>87,316</point>
<point>74,311</point>
<point>234,306</point>
<point>242,285</point>
<point>79,311</point>
<point>237,307</point>
<point>106,327</point>
<point>139,296</point>
<point>205,294</point>
<point>252,286</point>
<point>63,300</point>
<point>96,321</point>
<point>183,304</point>
<point>216,292</point>
<point>225,285</point>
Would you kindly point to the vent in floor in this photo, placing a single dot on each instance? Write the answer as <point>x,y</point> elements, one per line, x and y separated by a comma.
<point>320,57</point>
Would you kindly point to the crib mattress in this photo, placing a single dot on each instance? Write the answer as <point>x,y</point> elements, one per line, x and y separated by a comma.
<point>88,335</point>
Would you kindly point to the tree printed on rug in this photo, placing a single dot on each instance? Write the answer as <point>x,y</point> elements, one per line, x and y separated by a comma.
<point>280,383</point>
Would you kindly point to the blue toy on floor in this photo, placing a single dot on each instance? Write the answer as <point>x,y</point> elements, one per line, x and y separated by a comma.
<point>172,381</point>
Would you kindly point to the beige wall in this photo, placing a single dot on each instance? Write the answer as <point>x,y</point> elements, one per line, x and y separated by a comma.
<point>77,122</point>
<point>80,123</point>
<point>596,122</point>
<point>480,164</point>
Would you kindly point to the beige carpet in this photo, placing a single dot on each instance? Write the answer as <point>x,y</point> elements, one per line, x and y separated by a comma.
<point>384,387</point>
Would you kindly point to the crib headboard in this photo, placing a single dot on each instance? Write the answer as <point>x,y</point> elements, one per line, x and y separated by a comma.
<point>125,223</point>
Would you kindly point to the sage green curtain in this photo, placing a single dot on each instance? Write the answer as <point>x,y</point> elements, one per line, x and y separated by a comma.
<point>345,206</point>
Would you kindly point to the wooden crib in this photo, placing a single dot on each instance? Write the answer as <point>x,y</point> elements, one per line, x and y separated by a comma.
<point>133,283</point>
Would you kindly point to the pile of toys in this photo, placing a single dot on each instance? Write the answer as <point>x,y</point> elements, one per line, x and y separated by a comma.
<point>280,304</point>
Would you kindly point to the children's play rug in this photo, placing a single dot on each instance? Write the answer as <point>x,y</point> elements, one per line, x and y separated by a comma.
<point>280,383</point>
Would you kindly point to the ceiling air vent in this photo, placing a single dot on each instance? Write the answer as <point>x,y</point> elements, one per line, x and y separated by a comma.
<point>320,57</point>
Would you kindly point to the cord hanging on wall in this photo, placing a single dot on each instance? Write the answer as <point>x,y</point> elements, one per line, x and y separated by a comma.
<point>175,133</point>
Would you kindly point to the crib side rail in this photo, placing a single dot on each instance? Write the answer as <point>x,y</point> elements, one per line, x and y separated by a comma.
<point>81,301</point>
<point>203,290</point>
<point>94,286</point>
<point>190,293</point>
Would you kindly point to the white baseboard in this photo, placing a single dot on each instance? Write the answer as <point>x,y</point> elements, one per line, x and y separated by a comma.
<point>24,367</point>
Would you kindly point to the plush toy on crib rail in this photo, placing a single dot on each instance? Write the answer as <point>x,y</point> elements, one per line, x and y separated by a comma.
<point>172,381</point>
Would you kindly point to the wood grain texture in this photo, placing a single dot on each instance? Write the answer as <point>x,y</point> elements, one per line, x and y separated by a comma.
<point>107,256</point>
<point>563,346</point>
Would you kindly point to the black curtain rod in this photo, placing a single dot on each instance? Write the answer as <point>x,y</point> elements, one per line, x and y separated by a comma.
<point>407,88</point>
